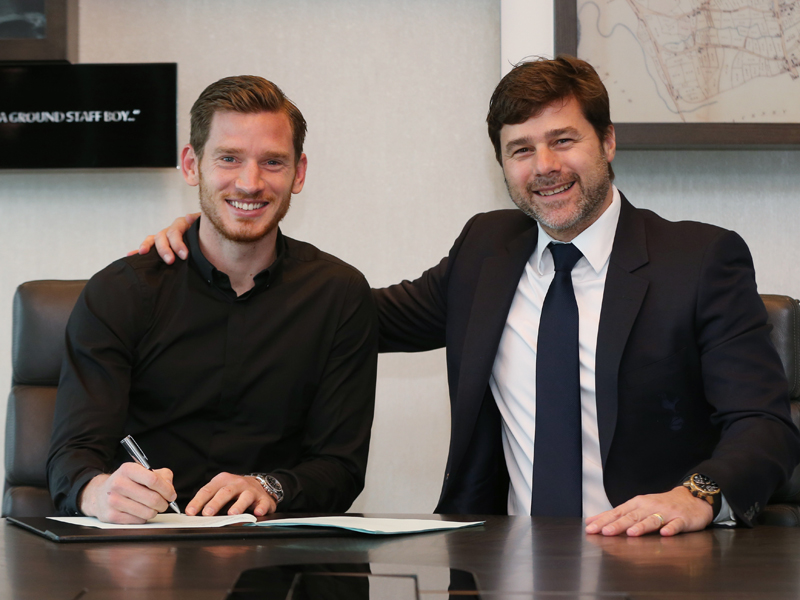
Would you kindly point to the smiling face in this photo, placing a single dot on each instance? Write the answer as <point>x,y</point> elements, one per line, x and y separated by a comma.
<point>556,169</point>
<point>247,174</point>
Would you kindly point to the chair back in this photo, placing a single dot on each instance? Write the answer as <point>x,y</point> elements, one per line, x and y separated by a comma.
<point>40,313</point>
<point>783,313</point>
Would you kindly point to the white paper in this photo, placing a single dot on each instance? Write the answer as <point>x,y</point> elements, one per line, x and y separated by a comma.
<point>163,521</point>
<point>369,525</point>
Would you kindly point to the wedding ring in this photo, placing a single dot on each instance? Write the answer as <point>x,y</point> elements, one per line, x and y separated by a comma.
<point>660,518</point>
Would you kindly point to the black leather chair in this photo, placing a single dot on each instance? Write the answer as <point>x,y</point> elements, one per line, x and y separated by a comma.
<point>784,314</point>
<point>41,310</point>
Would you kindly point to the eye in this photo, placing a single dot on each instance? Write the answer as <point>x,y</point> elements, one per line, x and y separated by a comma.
<point>227,159</point>
<point>519,151</point>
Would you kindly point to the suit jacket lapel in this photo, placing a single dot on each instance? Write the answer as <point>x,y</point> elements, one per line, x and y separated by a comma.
<point>494,292</point>
<point>622,300</point>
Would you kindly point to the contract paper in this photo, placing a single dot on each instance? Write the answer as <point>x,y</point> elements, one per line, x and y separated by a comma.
<point>164,521</point>
<point>372,526</point>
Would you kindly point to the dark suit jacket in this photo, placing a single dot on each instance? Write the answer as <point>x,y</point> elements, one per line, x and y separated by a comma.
<point>687,379</point>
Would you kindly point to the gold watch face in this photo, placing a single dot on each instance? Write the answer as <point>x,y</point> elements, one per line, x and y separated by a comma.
<point>703,484</point>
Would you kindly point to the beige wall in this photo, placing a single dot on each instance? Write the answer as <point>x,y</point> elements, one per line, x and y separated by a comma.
<point>395,93</point>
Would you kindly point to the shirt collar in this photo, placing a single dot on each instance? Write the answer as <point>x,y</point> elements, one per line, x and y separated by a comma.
<point>217,278</point>
<point>595,242</point>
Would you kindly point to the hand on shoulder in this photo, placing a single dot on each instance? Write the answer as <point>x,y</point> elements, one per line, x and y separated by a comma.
<point>169,241</point>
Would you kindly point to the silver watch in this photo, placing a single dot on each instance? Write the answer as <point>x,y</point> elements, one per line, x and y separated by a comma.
<point>271,485</point>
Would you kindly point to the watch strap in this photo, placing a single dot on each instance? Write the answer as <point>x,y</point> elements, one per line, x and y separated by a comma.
<point>713,496</point>
<point>271,485</point>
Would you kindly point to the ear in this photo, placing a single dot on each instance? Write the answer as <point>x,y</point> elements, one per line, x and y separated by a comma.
<point>610,143</point>
<point>300,174</point>
<point>190,165</point>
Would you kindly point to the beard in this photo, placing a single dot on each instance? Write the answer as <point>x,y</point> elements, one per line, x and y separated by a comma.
<point>593,187</point>
<point>243,232</point>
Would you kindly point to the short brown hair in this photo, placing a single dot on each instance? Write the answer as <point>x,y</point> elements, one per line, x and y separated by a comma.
<point>243,94</point>
<point>533,85</point>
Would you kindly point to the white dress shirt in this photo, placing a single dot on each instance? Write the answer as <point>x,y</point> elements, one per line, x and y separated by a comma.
<point>513,379</point>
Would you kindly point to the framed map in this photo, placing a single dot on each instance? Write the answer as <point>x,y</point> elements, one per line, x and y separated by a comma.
<point>41,30</point>
<point>692,73</point>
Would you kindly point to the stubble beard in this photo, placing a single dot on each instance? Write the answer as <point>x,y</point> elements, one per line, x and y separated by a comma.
<point>593,193</point>
<point>245,233</point>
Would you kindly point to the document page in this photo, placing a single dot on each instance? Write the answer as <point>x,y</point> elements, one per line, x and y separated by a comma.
<point>372,526</point>
<point>164,521</point>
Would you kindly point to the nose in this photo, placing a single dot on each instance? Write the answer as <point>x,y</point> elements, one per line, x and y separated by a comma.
<point>547,161</point>
<point>249,180</point>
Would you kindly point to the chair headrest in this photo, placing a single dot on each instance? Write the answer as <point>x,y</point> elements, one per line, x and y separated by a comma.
<point>41,311</point>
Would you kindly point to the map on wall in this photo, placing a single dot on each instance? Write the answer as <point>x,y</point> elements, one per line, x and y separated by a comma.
<point>690,61</point>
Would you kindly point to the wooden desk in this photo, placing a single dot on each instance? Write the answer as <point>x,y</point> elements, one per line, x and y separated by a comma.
<point>511,557</point>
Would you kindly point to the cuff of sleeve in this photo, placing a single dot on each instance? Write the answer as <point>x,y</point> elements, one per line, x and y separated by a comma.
<point>71,507</point>
<point>725,516</point>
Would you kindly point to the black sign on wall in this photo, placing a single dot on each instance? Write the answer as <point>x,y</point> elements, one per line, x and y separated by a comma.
<point>88,116</point>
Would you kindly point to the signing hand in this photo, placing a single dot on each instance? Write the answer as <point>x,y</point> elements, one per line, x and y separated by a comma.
<point>131,494</point>
<point>169,240</point>
<point>246,491</point>
<point>680,511</point>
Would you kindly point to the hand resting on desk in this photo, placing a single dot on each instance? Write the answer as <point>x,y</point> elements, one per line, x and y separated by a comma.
<point>131,494</point>
<point>681,512</point>
<point>244,492</point>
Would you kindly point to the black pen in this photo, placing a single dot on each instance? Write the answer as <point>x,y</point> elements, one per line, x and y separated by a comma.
<point>136,454</point>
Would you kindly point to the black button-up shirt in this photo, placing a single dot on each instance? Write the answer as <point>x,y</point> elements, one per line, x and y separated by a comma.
<point>279,380</point>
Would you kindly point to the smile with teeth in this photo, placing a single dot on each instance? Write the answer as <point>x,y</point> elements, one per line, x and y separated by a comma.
<point>557,190</point>
<point>246,205</point>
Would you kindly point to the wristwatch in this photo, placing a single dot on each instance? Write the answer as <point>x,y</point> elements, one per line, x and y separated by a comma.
<point>704,488</point>
<point>271,485</point>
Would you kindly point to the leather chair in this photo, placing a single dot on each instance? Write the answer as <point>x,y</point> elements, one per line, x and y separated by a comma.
<point>41,310</point>
<point>784,314</point>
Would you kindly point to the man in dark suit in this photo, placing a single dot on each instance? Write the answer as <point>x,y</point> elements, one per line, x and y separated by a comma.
<point>676,402</point>
<point>677,373</point>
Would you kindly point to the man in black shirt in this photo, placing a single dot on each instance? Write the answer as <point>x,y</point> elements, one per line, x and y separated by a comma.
<point>248,372</point>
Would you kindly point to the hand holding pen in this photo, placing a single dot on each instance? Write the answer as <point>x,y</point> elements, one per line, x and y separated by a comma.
<point>136,454</point>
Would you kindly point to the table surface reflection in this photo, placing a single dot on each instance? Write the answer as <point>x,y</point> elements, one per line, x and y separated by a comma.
<point>510,557</point>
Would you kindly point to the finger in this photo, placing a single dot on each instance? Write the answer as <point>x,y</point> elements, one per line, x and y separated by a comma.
<point>162,247</point>
<point>224,495</point>
<point>151,480</point>
<point>619,526</point>
<point>597,522</point>
<point>265,505</point>
<point>246,499</point>
<point>201,498</point>
<point>674,527</point>
<point>175,237</point>
<point>145,246</point>
<point>123,509</point>
<point>646,525</point>
<point>191,218</point>
<point>165,474</point>
<point>124,495</point>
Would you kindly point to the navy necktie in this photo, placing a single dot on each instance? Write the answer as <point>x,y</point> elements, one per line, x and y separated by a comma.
<point>557,456</point>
